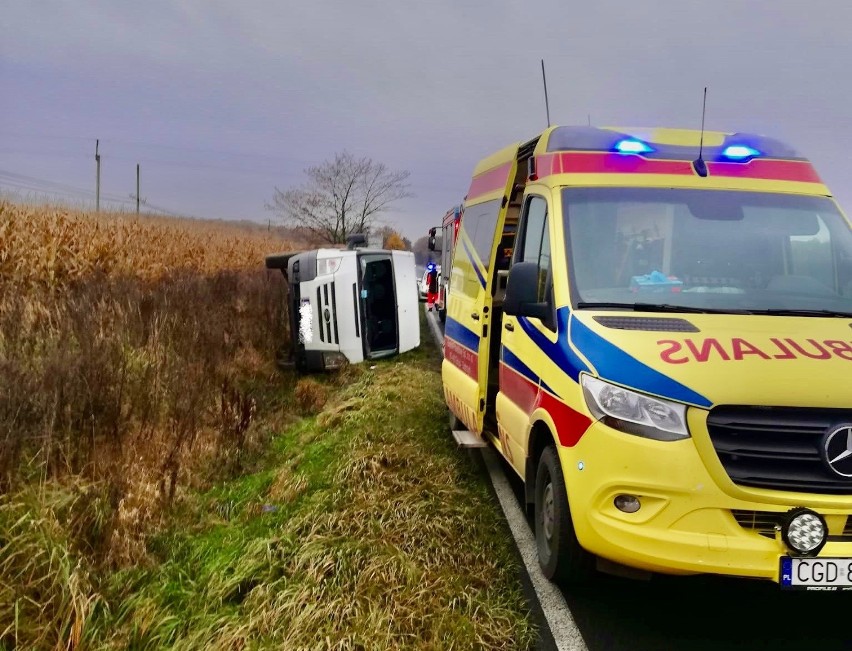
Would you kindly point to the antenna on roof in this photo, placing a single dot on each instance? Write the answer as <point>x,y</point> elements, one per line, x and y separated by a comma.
<point>546,104</point>
<point>698,164</point>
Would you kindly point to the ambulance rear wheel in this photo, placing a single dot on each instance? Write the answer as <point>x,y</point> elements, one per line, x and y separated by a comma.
<point>560,555</point>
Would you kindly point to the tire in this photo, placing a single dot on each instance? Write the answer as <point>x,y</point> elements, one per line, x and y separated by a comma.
<point>442,315</point>
<point>560,555</point>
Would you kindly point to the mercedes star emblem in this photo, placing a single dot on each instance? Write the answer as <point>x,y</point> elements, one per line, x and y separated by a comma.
<point>837,450</point>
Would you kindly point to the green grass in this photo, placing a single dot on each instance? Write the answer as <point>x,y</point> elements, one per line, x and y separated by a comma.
<point>365,528</point>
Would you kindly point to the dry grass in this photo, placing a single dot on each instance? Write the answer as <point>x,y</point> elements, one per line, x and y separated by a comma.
<point>373,533</point>
<point>311,395</point>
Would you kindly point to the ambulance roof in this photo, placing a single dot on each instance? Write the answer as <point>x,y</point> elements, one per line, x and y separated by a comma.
<point>661,143</point>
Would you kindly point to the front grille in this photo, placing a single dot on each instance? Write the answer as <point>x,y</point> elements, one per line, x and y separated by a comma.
<point>777,447</point>
<point>762,522</point>
<point>765,522</point>
<point>327,307</point>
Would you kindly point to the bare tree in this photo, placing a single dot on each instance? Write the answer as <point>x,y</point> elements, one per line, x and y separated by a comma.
<point>341,197</point>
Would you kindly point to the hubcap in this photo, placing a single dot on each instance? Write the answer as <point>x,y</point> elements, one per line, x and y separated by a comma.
<point>547,511</point>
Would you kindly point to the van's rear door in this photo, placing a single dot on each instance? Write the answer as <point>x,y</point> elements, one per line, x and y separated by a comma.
<point>407,304</point>
<point>468,328</point>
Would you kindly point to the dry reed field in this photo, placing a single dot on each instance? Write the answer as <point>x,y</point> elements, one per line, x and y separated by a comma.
<point>130,350</point>
<point>164,486</point>
<point>52,247</point>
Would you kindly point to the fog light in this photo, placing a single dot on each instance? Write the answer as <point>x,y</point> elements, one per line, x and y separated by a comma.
<point>804,532</point>
<point>627,503</point>
<point>333,360</point>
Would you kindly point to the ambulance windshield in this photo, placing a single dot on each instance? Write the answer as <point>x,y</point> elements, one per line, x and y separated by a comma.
<point>707,250</point>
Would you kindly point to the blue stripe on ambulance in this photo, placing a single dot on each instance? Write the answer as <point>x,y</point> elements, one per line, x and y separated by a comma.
<point>466,337</point>
<point>610,362</point>
<point>560,352</point>
<point>615,365</point>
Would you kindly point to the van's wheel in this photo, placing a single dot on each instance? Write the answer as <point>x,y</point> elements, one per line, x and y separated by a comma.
<point>560,555</point>
<point>442,316</point>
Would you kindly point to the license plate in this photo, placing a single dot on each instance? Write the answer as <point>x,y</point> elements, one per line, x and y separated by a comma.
<point>829,574</point>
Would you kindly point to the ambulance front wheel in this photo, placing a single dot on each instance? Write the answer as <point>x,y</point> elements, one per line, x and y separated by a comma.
<point>560,555</point>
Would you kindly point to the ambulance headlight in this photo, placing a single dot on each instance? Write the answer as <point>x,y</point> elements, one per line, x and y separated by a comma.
<point>634,413</point>
<point>328,265</point>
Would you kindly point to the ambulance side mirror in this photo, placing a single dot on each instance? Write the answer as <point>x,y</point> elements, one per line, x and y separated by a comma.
<point>432,241</point>
<point>522,292</point>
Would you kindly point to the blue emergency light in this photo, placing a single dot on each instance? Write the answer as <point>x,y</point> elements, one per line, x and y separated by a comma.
<point>632,146</point>
<point>740,152</point>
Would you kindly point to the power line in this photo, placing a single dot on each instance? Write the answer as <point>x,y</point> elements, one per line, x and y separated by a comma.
<point>54,185</point>
<point>53,193</point>
<point>180,148</point>
<point>33,184</point>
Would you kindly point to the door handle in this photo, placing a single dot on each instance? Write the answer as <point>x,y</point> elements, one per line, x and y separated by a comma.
<point>475,316</point>
<point>509,327</point>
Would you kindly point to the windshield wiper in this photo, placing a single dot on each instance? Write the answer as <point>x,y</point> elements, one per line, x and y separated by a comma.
<point>793,312</point>
<point>658,307</point>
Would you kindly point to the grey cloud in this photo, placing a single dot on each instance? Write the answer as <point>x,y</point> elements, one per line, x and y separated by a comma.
<point>223,100</point>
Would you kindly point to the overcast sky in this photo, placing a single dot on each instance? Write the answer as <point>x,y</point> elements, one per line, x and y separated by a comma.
<point>221,101</point>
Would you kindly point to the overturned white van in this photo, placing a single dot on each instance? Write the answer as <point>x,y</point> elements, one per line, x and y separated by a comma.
<point>349,305</point>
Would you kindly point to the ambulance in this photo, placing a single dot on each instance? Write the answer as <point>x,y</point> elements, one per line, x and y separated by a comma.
<point>652,326</point>
<point>348,305</point>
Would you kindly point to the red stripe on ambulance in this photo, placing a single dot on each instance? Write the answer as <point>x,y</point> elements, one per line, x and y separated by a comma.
<point>518,388</point>
<point>614,163</point>
<point>528,396</point>
<point>493,179</point>
<point>461,357</point>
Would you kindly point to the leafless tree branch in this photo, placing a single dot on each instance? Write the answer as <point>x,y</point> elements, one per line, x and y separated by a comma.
<point>341,197</point>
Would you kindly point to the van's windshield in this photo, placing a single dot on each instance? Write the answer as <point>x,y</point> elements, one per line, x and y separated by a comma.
<point>708,251</point>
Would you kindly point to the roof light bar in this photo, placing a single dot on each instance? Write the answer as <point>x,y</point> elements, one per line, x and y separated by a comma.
<point>632,146</point>
<point>740,152</point>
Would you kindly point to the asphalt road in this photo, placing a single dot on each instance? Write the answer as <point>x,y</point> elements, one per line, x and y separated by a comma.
<point>673,613</point>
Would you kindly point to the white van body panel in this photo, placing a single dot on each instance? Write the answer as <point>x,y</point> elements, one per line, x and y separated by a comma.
<point>407,303</point>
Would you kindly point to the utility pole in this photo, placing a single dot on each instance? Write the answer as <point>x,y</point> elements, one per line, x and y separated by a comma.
<point>137,188</point>
<point>97,178</point>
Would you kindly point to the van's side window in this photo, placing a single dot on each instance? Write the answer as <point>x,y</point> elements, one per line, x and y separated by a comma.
<point>536,242</point>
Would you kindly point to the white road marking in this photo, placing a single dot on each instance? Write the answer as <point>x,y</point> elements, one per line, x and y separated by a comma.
<point>436,329</point>
<point>563,628</point>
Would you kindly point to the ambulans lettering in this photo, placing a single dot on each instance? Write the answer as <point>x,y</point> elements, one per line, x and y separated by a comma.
<point>674,351</point>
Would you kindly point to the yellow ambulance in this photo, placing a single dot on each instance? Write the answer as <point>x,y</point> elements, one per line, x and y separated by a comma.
<point>652,326</point>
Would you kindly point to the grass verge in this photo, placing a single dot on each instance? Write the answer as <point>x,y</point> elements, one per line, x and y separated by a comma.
<point>362,528</point>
